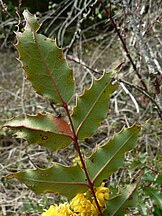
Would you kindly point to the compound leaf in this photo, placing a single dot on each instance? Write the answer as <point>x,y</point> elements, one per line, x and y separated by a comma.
<point>67,181</point>
<point>118,204</point>
<point>110,157</point>
<point>44,63</point>
<point>92,106</point>
<point>45,130</point>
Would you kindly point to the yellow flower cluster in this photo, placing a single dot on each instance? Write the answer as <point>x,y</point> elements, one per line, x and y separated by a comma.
<point>81,205</point>
<point>59,210</point>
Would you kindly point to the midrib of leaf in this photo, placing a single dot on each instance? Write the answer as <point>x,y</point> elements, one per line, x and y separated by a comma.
<point>94,179</point>
<point>46,67</point>
<point>54,182</point>
<point>47,131</point>
<point>91,109</point>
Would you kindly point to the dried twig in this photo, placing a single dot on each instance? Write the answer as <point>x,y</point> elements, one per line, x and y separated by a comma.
<point>109,14</point>
<point>151,62</point>
<point>159,110</point>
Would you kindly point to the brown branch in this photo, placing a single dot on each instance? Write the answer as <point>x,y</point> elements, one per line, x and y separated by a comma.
<point>4,9</point>
<point>109,14</point>
<point>84,65</point>
<point>158,108</point>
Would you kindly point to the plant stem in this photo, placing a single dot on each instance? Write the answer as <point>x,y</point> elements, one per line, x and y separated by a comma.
<point>75,139</point>
<point>109,14</point>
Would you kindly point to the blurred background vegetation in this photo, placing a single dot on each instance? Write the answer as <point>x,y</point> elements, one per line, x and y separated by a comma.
<point>126,35</point>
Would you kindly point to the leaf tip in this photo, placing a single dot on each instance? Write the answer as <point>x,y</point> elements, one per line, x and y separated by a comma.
<point>137,126</point>
<point>9,176</point>
<point>31,21</point>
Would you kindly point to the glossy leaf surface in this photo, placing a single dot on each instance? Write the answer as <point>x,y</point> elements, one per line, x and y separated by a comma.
<point>67,181</point>
<point>92,106</point>
<point>110,157</point>
<point>127,198</point>
<point>44,63</point>
<point>46,130</point>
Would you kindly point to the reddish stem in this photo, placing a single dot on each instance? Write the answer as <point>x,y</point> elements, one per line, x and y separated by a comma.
<point>75,139</point>
<point>109,14</point>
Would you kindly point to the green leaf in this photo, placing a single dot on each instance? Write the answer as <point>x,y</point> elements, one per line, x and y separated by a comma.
<point>31,21</point>
<point>155,195</point>
<point>159,180</point>
<point>157,211</point>
<point>44,63</point>
<point>143,209</point>
<point>67,181</point>
<point>110,157</point>
<point>148,176</point>
<point>127,198</point>
<point>92,106</point>
<point>45,130</point>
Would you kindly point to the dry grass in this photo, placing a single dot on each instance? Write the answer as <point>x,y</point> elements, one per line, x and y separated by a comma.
<point>128,105</point>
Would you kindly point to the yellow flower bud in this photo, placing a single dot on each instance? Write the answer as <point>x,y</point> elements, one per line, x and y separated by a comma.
<point>102,194</point>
